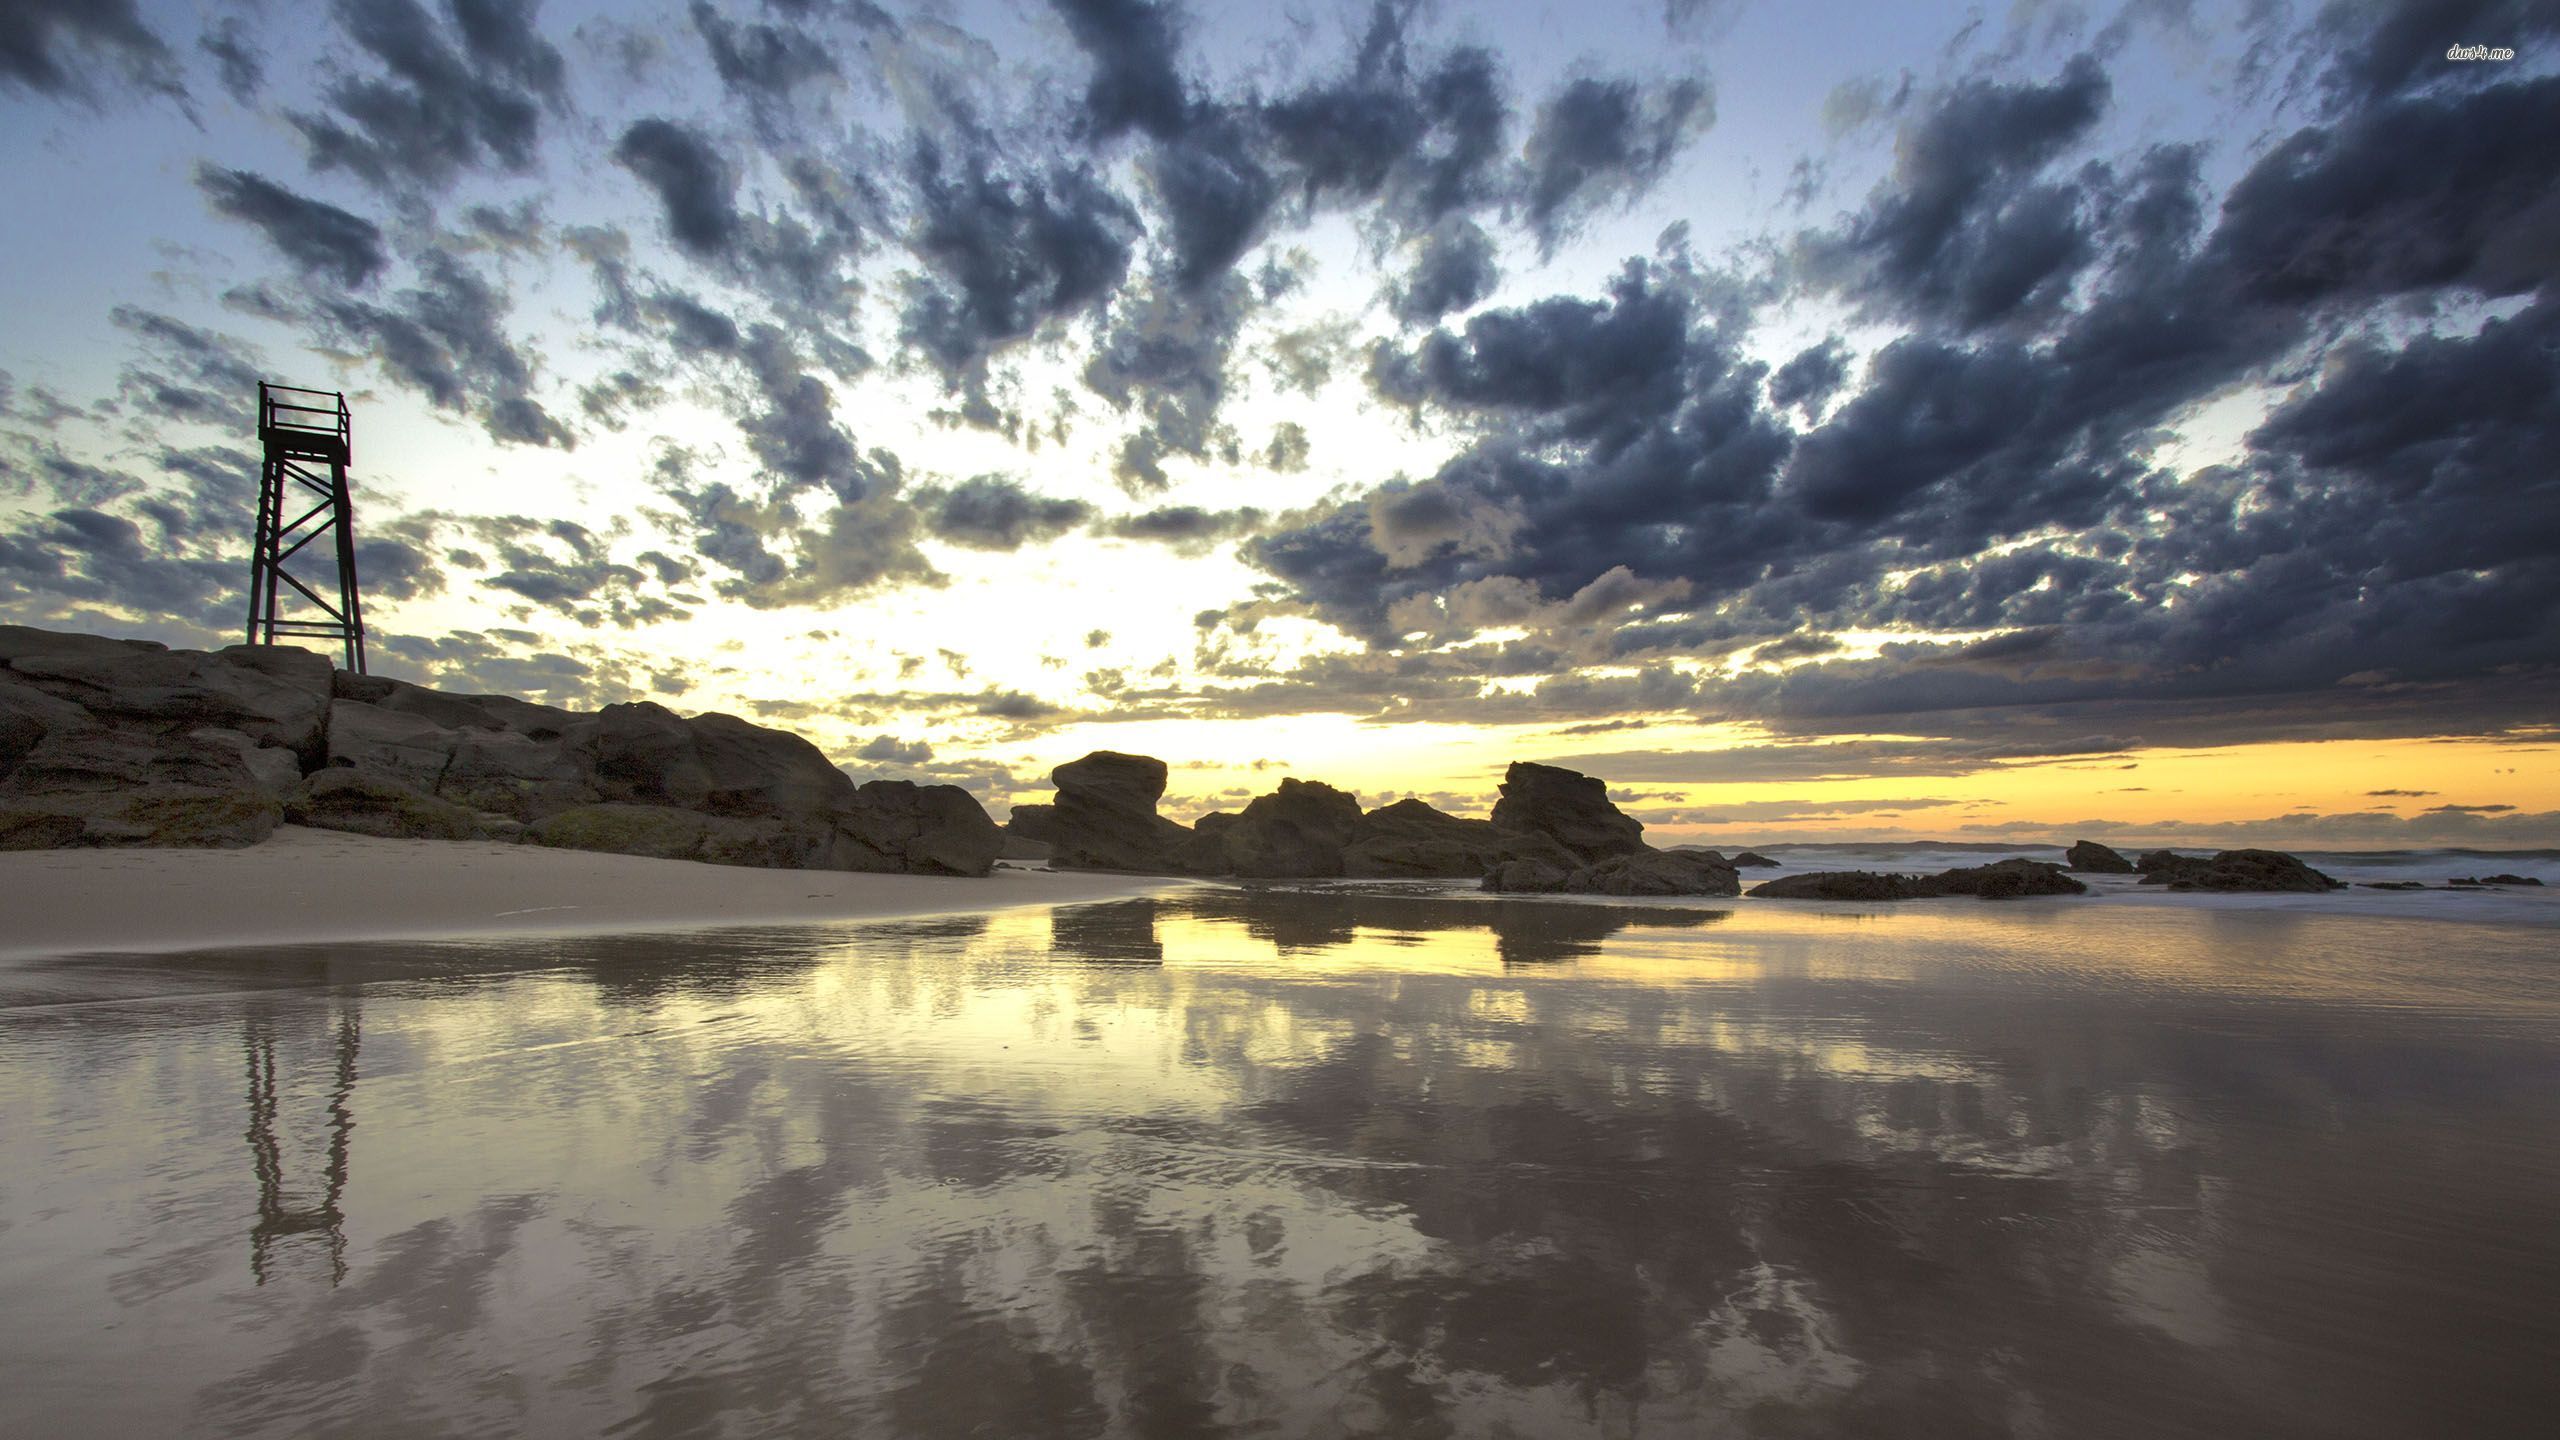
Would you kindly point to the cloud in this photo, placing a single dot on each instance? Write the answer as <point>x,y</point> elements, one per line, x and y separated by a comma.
<point>889,749</point>
<point>696,187</point>
<point>1962,233</point>
<point>760,62</point>
<point>994,512</point>
<point>1136,84</point>
<point>437,109</point>
<point>1004,253</point>
<point>50,46</point>
<point>315,235</point>
<point>446,339</point>
<point>1185,529</point>
<point>1417,140</point>
<point>1453,269</point>
<point>1601,142</point>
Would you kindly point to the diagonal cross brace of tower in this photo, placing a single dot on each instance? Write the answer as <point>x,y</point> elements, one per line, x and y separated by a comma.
<point>303,495</point>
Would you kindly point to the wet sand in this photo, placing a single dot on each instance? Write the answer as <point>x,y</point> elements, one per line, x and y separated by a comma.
<point>303,885</point>
<point>1223,1162</point>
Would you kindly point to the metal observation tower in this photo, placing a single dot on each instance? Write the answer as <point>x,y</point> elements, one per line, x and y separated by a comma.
<point>306,437</point>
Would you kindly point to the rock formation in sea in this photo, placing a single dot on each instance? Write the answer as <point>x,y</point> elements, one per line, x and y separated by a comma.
<point>2000,880</point>
<point>1553,831</point>
<point>2092,858</point>
<point>122,742</point>
<point>1754,860</point>
<point>2234,871</point>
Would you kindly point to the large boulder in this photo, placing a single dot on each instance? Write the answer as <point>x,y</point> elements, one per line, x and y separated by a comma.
<point>1657,872</point>
<point>664,832</point>
<point>645,754</point>
<point>2242,871</point>
<point>1527,876</point>
<point>1409,840</point>
<point>27,715</point>
<point>100,786</point>
<point>1569,808</point>
<point>513,773</point>
<point>1205,853</point>
<point>366,803</point>
<point>900,827</point>
<point>1105,817</point>
<point>276,695</point>
<point>1296,831</point>
<point>390,744</point>
<point>2093,858</point>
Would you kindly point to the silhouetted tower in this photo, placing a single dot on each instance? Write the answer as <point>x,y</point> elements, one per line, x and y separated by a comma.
<point>306,438</point>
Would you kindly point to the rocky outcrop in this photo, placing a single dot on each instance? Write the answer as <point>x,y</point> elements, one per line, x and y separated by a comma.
<point>1657,872</point>
<point>1569,808</point>
<point>125,742</point>
<point>1105,816</point>
<point>2235,871</point>
<point>1409,840</point>
<point>1298,830</point>
<point>2001,880</point>
<point>1753,859</point>
<point>2497,880</point>
<point>2090,857</point>
<point>368,803</point>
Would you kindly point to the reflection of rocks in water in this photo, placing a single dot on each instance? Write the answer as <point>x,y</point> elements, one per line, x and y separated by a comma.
<point>1120,931</point>
<point>300,1184</point>
<point>1524,932</point>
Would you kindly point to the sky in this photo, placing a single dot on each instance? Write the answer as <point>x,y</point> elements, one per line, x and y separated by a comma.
<point>1821,421</point>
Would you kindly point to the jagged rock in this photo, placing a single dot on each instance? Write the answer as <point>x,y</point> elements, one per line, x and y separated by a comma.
<point>27,715</point>
<point>274,694</point>
<point>644,754</point>
<point>1034,822</point>
<point>2005,879</point>
<point>276,770</point>
<point>367,803</point>
<point>2251,871</point>
<point>1571,809</point>
<point>1105,817</point>
<point>1657,872</point>
<point>1296,831</point>
<point>1409,840</point>
<point>2500,880</point>
<point>2393,885</point>
<point>1529,877</point>
<point>2093,858</point>
<point>1753,859</point>
<point>900,827</point>
<point>1839,885</point>
<point>1205,853</point>
<point>408,748</point>
<point>515,774</point>
<point>102,786</point>
<point>17,641</point>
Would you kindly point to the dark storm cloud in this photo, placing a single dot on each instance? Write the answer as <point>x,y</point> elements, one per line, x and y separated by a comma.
<point>692,327</point>
<point>437,109</point>
<point>994,512</point>
<point>1420,140</point>
<point>1186,529</point>
<point>198,355</point>
<point>1962,233</point>
<point>1005,252</point>
<point>228,43</point>
<point>695,185</point>
<point>2377,51</point>
<point>2413,194</point>
<point>51,46</point>
<point>1602,142</point>
<point>447,340</point>
<point>1453,268</point>
<point>758,61</point>
<point>313,234</point>
<point>1810,380</point>
<point>1136,84</point>
<point>1215,193</point>
<point>1163,355</point>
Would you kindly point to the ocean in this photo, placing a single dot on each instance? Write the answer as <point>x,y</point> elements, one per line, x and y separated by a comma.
<point>1309,1160</point>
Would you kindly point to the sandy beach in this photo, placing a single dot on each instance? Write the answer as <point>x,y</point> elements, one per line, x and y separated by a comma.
<point>315,885</point>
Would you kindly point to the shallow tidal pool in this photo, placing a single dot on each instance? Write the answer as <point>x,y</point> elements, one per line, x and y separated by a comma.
<point>1342,1162</point>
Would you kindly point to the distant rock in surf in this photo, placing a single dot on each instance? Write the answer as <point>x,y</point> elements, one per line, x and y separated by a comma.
<point>2499,880</point>
<point>2090,857</point>
<point>2234,871</point>
<point>1753,859</point>
<point>2001,880</point>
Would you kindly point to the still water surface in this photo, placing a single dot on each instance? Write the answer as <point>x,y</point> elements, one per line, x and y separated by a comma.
<point>1240,1163</point>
